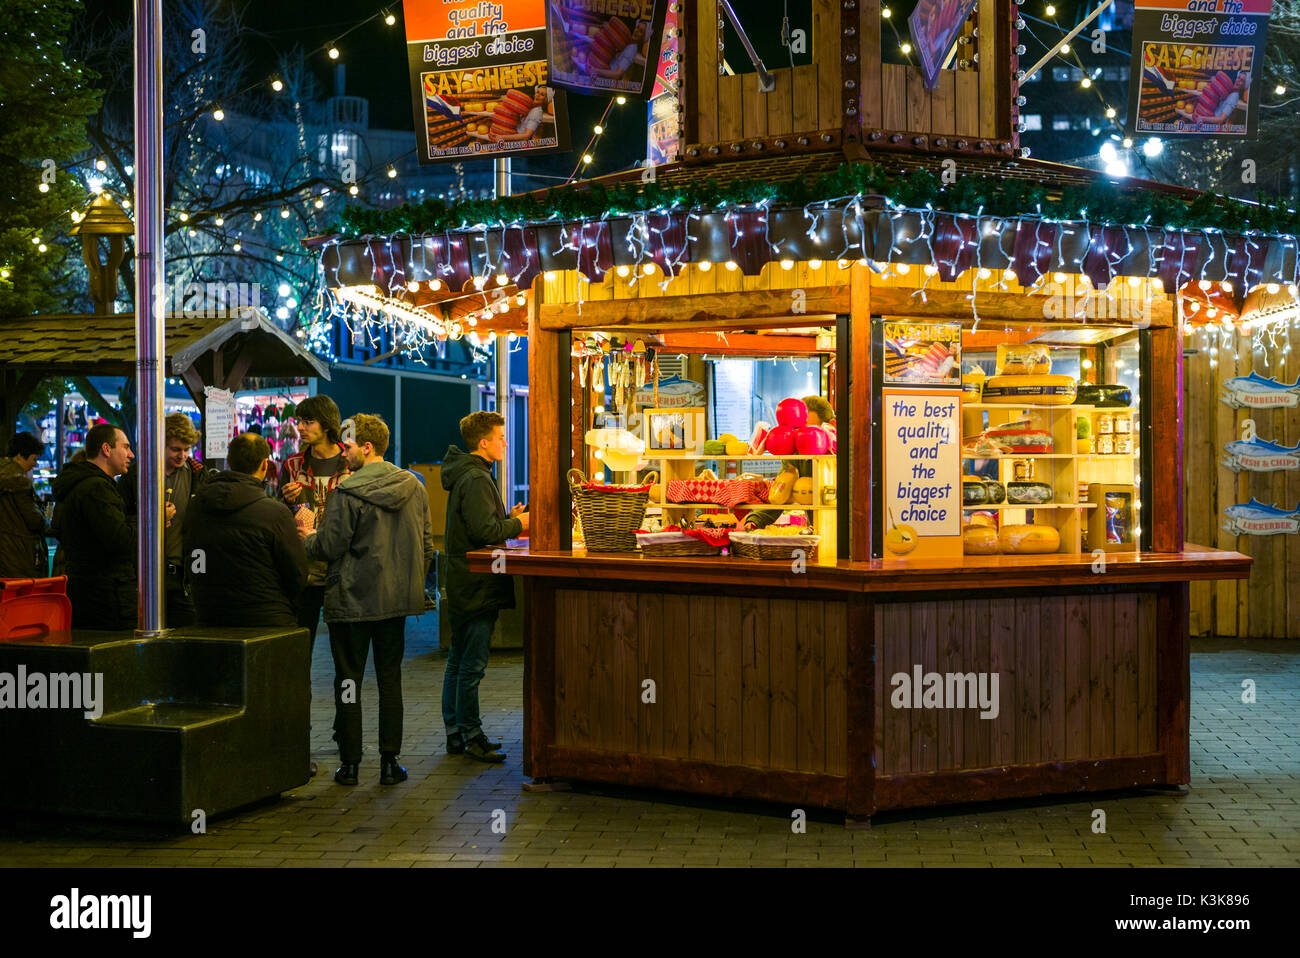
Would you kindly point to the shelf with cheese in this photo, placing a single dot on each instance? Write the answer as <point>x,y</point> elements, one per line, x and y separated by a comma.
<point>1063,471</point>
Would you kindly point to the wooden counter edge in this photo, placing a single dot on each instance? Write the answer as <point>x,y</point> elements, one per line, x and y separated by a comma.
<point>970,572</point>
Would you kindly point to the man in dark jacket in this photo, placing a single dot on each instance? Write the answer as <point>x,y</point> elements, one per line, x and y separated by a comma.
<point>246,562</point>
<point>476,517</point>
<point>22,523</point>
<point>100,544</point>
<point>183,477</point>
<point>378,541</point>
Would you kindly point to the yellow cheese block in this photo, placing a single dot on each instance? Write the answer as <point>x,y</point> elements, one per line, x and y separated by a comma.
<point>1029,540</point>
<point>737,447</point>
<point>1049,390</point>
<point>979,541</point>
<point>782,487</point>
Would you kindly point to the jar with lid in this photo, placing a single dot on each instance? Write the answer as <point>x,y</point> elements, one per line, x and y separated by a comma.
<point>1105,445</point>
<point>1124,444</point>
<point>1123,423</point>
<point>1106,424</point>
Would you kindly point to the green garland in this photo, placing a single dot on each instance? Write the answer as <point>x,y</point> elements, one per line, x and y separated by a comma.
<point>1102,201</point>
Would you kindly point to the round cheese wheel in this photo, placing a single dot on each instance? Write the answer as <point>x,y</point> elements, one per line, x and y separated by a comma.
<point>979,541</point>
<point>1029,540</point>
<point>1048,390</point>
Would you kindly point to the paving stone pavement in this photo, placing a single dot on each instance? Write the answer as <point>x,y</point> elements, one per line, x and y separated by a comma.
<point>1243,807</point>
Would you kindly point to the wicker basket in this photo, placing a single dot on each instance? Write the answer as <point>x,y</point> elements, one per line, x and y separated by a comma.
<point>754,545</point>
<point>662,545</point>
<point>609,516</point>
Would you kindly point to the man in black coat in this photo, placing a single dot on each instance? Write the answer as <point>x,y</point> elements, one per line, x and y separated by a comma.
<point>246,563</point>
<point>22,523</point>
<point>100,544</point>
<point>476,517</point>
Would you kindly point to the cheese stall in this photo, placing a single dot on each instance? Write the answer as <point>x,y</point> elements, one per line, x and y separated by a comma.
<point>850,487</point>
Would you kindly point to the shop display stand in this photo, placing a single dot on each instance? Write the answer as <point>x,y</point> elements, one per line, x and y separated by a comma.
<point>820,515</point>
<point>1063,471</point>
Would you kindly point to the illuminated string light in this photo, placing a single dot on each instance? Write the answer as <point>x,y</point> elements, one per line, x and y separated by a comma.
<point>277,85</point>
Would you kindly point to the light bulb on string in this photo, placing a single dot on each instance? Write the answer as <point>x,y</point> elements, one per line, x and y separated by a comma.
<point>389,18</point>
<point>353,189</point>
<point>277,85</point>
<point>620,100</point>
<point>1110,113</point>
<point>220,221</point>
<point>101,165</point>
<point>598,129</point>
<point>334,53</point>
<point>905,47</point>
<point>392,172</point>
<point>44,187</point>
<point>284,213</point>
<point>257,217</point>
<point>218,114</point>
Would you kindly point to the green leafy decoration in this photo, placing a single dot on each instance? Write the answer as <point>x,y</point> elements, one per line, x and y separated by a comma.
<point>1102,201</point>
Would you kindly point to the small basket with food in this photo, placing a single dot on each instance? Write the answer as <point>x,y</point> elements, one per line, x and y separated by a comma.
<point>610,514</point>
<point>776,542</point>
<point>678,541</point>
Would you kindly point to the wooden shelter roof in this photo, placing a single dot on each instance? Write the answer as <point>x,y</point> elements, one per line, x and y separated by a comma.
<point>104,345</point>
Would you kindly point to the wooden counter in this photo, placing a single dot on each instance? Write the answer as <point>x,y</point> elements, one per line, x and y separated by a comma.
<point>743,678</point>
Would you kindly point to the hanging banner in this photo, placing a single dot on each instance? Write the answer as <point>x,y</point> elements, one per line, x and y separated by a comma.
<point>1254,391</point>
<point>1256,519</point>
<point>1197,71</point>
<point>220,422</point>
<point>606,46</point>
<point>663,123</point>
<point>1260,455</point>
<point>479,80</point>
<point>934,25</point>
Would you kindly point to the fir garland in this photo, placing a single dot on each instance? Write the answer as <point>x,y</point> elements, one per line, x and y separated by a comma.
<point>1102,201</point>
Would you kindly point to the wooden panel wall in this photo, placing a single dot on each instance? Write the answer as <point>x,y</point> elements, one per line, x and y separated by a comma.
<point>739,680</point>
<point>1267,605</point>
<point>1077,680</point>
<point>722,108</point>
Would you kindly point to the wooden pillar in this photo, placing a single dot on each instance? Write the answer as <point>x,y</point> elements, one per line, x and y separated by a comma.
<point>857,429</point>
<point>548,505</point>
<point>1166,419</point>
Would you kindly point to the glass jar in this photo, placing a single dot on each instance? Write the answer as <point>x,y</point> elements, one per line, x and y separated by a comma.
<point>1124,444</point>
<point>1104,445</point>
<point>1106,424</point>
<point>1123,423</point>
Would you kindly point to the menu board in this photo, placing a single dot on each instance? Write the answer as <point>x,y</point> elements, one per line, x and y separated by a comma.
<point>606,46</point>
<point>922,472</point>
<point>219,422</point>
<point>923,354</point>
<point>934,26</point>
<point>1197,67</point>
<point>479,80</point>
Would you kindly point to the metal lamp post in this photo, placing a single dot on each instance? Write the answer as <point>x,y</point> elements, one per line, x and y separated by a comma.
<point>149,348</point>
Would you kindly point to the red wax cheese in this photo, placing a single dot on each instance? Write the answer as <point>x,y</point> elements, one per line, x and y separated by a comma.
<point>792,413</point>
<point>812,441</point>
<point>780,441</point>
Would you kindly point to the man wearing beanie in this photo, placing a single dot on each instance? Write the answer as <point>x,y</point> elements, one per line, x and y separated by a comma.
<point>307,480</point>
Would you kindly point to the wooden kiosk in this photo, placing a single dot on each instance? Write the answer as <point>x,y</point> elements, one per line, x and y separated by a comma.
<point>781,681</point>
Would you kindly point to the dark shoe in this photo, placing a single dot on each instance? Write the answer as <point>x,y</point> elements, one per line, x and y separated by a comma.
<point>311,769</point>
<point>347,773</point>
<point>390,773</point>
<point>480,749</point>
<point>456,744</point>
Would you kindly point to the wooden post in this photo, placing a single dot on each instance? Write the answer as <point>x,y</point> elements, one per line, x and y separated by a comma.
<point>858,427</point>
<point>548,509</point>
<point>1166,418</point>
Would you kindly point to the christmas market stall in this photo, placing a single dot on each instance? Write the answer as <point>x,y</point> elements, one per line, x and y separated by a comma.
<point>856,465</point>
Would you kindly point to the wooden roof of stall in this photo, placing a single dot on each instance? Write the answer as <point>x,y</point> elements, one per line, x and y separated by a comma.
<point>104,345</point>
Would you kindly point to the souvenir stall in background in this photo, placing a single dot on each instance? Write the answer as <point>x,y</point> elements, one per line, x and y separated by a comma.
<point>272,415</point>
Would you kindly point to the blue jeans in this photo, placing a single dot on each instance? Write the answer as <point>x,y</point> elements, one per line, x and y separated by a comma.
<point>466,665</point>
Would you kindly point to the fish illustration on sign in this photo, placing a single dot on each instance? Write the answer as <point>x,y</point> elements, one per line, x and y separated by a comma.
<point>1256,519</point>
<point>1258,455</point>
<point>1256,391</point>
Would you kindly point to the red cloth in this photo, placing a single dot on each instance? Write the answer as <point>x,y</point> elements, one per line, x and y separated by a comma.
<point>726,492</point>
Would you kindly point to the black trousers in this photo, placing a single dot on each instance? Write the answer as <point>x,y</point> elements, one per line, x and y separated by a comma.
<point>178,610</point>
<point>310,604</point>
<point>350,643</point>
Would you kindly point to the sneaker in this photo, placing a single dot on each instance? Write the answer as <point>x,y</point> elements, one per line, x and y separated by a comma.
<point>347,773</point>
<point>456,744</point>
<point>390,773</point>
<point>480,749</point>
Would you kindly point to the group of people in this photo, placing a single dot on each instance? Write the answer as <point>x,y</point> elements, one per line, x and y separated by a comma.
<point>348,534</point>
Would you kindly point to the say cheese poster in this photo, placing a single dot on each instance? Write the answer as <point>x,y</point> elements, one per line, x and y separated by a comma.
<point>480,83</point>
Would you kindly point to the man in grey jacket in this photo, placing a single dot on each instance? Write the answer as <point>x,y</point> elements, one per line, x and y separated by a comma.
<point>378,541</point>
